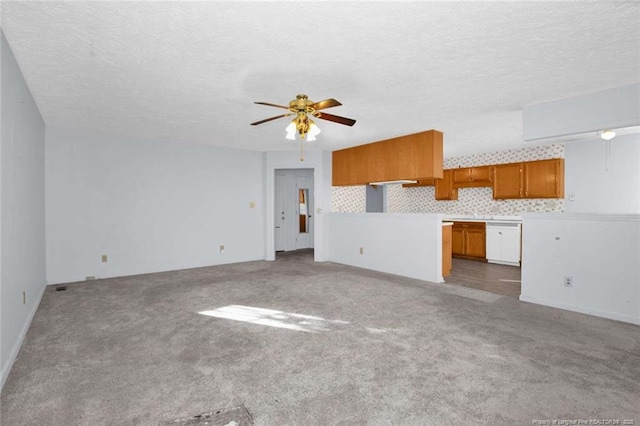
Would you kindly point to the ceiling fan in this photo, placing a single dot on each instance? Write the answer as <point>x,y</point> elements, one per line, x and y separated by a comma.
<point>302,108</point>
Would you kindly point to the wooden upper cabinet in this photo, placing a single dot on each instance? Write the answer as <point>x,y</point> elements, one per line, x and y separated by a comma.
<point>444,187</point>
<point>472,177</point>
<point>461,175</point>
<point>507,181</point>
<point>412,157</point>
<point>482,174</point>
<point>544,179</point>
<point>531,179</point>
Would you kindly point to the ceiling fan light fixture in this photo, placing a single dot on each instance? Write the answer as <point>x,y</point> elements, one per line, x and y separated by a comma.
<point>291,131</point>
<point>607,134</point>
<point>302,124</point>
<point>314,131</point>
<point>303,109</point>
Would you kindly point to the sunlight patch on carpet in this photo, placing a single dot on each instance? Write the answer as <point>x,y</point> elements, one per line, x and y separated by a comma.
<point>273,318</point>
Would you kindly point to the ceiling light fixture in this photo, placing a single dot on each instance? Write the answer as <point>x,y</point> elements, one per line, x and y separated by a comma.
<point>305,127</point>
<point>607,135</point>
<point>303,109</point>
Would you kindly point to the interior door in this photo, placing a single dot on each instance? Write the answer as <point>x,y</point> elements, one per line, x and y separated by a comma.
<point>280,211</point>
<point>304,222</point>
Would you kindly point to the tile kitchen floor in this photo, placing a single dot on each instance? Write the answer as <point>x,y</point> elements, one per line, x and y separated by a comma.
<point>499,279</point>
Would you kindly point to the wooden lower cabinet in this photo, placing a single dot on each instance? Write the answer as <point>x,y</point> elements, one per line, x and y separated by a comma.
<point>457,241</point>
<point>446,250</point>
<point>468,240</point>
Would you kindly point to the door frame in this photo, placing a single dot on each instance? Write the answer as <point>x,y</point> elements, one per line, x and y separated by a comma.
<point>320,162</point>
<point>291,178</point>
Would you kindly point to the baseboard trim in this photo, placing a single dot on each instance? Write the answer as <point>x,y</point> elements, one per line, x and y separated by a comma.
<point>126,274</point>
<point>580,309</point>
<point>6,369</point>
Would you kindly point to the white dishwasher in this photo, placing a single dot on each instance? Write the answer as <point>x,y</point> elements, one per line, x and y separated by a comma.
<point>503,243</point>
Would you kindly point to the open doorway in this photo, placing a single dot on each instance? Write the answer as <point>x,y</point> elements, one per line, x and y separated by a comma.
<point>293,214</point>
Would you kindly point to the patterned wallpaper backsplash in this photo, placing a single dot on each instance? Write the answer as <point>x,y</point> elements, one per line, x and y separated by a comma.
<point>470,200</point>
<point>349,199</point>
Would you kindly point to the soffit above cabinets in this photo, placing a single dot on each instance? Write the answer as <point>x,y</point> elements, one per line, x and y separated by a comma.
<point>582,117</point>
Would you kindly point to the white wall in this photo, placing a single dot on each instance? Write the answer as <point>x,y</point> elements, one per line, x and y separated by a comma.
<point>22,195</point>
<point>148,205</point>
<point>603,176</point>
<point>320,162</point>
<point>600,252</point>
<point>409,245</point>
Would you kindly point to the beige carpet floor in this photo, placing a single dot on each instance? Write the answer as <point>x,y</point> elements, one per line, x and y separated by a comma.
<point>304,343</point>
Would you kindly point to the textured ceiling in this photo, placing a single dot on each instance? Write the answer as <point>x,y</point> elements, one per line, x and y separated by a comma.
<point>190,71</point>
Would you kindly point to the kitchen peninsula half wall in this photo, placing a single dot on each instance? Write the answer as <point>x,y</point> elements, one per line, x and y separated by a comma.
<point>409,245</point>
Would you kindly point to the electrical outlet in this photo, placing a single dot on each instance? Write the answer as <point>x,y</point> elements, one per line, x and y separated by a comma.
<point>361,250</point>
<point>252,205</point>
<point>104,258</point>
<point>222,249</point>
<point>90,278</point>
<point>24,297</point>
<point>568,281</point>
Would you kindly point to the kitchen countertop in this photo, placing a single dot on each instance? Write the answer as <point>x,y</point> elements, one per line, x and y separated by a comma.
<point>482,218</point>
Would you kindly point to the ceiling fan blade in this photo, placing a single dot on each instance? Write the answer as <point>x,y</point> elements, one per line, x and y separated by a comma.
<point>336,119</point>
<point>327,103</point>
<point>273,105</point>
<point>272,118</point>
